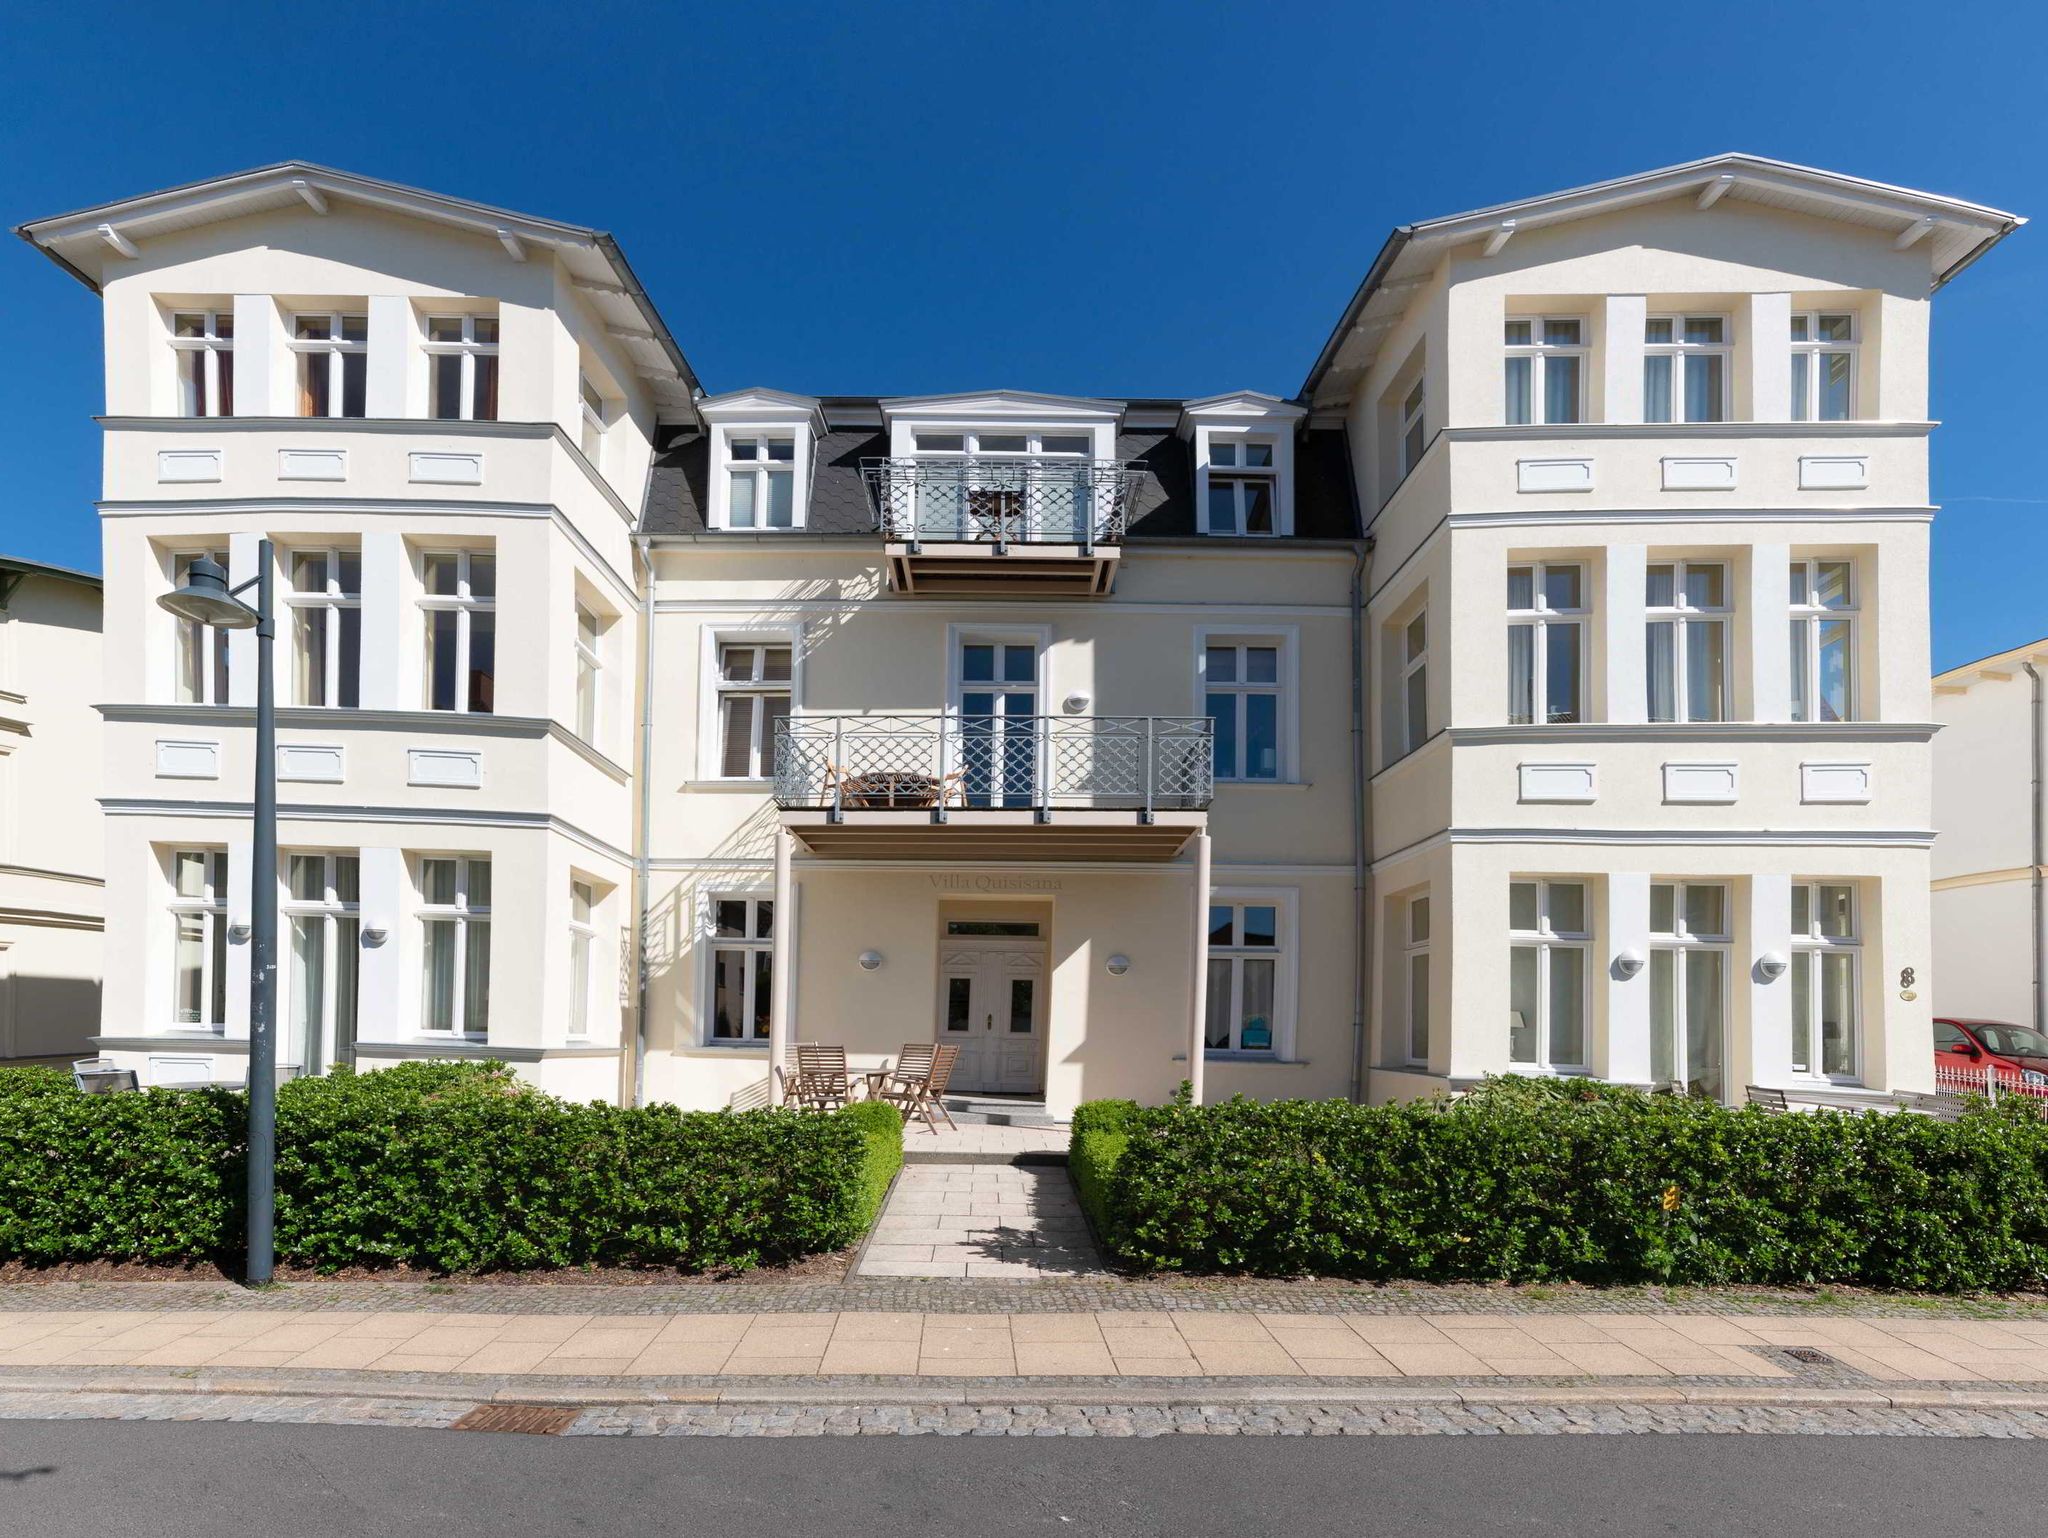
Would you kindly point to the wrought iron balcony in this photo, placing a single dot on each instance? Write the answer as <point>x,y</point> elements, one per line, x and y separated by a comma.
<point>948,766</point>
<point>1003,500</point>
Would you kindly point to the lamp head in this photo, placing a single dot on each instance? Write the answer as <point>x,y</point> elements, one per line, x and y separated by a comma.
<point>205,599</point>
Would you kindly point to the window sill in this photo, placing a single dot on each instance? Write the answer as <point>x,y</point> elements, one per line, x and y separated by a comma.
<point>753,786</point>
<point>467,1038</point>
<point>1222,784</point>
<point>1223,1055</point>
<point>731,1046</point>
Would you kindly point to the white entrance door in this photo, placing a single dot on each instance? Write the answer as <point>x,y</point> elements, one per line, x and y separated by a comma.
<point>992,1007</point>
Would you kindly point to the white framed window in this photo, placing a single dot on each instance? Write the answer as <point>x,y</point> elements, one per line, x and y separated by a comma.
<point>754,688</point>
<point>589,670</point>
<point>1823,640</point>
<point>1550,932</point>
<point>1243,486</point>
<point>1685,651</point>
<point>760,481</point>
<point>1414,434</point>
<point>742,950</point>
<point>591,401</point>
<point>325,597</point>
<point>1686,368</point>
<point>1415,682</point>
<point>1690,935</point>
<point>1824,366</point>
<point>1546,643</point>
<point>462,367</point>
<point>582,936</point>
<point>1546,369</point>
<point>1827,965</point>
<point>323,917</point>
<point>1250,972</point>
<point>1014,482</point>
<point>201,655</point>
<point>1244,691</point>
<point>199,939</point>
<point>1005,441</point>
<point>1415,974</point>
<point>333,352</point>
<point>455,957</point>
<point>204,344</point>
<point>458,610</point>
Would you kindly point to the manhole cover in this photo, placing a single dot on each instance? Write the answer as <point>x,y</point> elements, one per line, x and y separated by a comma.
<point>1809,1356</point>
<point>544,1420</point>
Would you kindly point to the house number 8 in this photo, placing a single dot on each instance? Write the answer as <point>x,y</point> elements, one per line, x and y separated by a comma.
<point>1905,977</point>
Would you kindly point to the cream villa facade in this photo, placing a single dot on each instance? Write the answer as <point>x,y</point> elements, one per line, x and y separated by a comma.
<point>1559,649</point>
<point>1990,864</point>
<point>50,888</point>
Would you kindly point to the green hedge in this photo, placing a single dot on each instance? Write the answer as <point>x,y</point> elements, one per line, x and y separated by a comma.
<point>450,1167</point>
<point>1534,1181</point>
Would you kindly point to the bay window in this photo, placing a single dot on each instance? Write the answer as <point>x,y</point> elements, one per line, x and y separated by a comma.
<point>1685,368</point>
<point>204,342</point>
<point>742,968</point>
<point>459,612</point>
<point>1823,367</point>
<point>455,964</point>
<point>1823,640</point>
<point>462,367</point>
<point>1827,959</point>
<point>333,364</point>
<point>1546,370</point>
<point>1550,934</point>
<point>201,655</point>
<point>199,939</point>
<point>326,603</point>
<point>1686,640</point>
<point>1546,644</point>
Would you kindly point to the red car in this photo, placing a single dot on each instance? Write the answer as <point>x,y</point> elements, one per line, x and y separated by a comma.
<point>1967,1047</point>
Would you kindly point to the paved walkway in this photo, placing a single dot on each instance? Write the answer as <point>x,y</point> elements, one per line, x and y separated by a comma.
<point>974,1139</point>
<point>981,1222</point>
<point>1124,1345</point>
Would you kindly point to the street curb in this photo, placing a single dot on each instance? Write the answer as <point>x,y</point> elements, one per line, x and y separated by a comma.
<point>1037,1391</point>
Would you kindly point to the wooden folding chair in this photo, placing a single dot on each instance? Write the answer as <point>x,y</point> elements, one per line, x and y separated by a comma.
<point>918,1085</point>
<point>820,1081</point>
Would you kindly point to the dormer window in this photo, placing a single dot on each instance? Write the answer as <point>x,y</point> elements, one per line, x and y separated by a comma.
<point>762,445</point>
<point>1242,480</point>
<point>761,483</point>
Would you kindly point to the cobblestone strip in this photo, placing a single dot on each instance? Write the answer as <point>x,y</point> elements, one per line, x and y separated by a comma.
<point>909,1295</point>
<point>1080,1420</point>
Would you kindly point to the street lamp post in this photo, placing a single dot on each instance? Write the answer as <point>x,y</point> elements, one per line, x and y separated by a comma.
<point>206,599</point>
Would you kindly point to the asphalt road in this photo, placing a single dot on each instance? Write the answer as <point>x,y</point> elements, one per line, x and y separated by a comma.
<point>142,1479</point>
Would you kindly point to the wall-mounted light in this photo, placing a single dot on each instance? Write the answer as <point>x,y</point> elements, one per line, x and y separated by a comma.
<point>374,935</point>
<point>1627,963</point>
<point>870,960</point>
<point>238,933</point>
<point>1074,704</point>
<point>1118,964</point>
<point>1770,966</point>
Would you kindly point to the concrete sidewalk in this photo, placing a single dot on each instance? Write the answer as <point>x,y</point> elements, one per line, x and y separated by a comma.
<point>1189,1345</point>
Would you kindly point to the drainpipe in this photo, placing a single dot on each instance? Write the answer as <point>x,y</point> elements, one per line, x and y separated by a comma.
<point>641,834</point>
<point>1361,910</point>
<point>2037,853</point>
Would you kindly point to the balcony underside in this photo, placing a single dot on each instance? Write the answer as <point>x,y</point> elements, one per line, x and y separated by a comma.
<point>977,834</point>
<point>1048,571</point>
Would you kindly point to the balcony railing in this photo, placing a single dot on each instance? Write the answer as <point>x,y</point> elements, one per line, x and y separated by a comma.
<point>1002,501</point>
<point>945,764</point>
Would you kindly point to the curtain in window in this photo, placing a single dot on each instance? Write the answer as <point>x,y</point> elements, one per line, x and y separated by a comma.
<point>1561,673</point>
<point>1567,1007</point>
<point>1521,674</point>
<point>1561,388</point>
<point>1661,664</point>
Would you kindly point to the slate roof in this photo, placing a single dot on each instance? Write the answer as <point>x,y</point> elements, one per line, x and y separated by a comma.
<point>1325,506</point>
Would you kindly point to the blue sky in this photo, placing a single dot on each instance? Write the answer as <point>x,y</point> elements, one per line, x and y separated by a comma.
<point>1086,198</point>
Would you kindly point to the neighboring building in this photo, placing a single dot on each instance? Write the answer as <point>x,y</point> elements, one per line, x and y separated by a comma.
<point>1992,857</point>
<point>1562,648</point>
<point>51,896</point>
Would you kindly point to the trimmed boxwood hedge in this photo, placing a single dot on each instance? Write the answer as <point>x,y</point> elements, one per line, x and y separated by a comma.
<point>1531,1180</point>
<point>445,1166</point>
